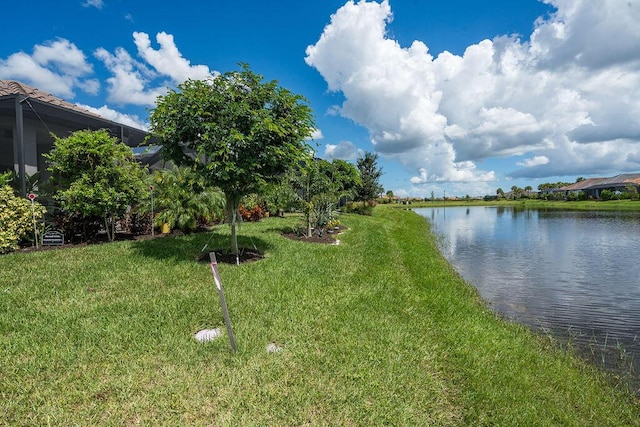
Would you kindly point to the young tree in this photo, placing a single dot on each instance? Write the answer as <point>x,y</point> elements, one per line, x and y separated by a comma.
<point>345,177</point>
<point>236,130</point>
<point>317,190</point>
<point>282,196</point>
<point>369,186</point>
<point>95,175</point>
<point>316,186</point>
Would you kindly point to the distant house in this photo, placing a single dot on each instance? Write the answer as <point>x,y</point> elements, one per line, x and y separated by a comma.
<point>592,187</point>
<point>384,198</point>
<point>29,116</point>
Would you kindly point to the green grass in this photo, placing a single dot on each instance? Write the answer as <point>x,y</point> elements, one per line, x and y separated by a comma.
<point>378,330</point>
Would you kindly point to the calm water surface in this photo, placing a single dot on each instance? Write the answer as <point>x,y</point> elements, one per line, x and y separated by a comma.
<point>575,275</point>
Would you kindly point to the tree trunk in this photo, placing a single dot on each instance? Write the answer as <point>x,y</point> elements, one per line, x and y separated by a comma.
<point>231,206</point>
<point>308,217</point>
<point>106,227</point>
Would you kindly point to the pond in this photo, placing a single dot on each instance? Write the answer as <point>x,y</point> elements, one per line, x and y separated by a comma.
<point>573,275</point>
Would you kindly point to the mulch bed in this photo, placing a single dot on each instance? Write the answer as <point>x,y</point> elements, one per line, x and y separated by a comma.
<point>326,238</point>
<point>224,257</point>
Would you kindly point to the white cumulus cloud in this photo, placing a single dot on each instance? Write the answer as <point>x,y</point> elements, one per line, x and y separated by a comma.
<point>57,67</point>
<point>118,117</point>
<point>567,97</point>
<point>534,161</point>
<point>345,150</point>
<point>60,68</point>
<point>129,83</point>
<point>140,83</point>
<point>317,134</point>
<point>167,60</point>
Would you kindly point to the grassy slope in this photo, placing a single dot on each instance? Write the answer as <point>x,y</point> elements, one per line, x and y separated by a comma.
<point>378,330</point>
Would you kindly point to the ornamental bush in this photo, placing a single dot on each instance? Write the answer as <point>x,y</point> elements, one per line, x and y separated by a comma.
<point>252,214</point>
<point>183,200</point>
<point>95,175</point>
<point>606,195</point>
<point>16,218</point>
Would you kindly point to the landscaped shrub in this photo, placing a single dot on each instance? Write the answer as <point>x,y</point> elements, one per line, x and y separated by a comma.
<point>335,222</point>
<point>183,200</point>
<point>137,223</point>
<point>607,195</point>
<point>75,227</point>
<point>5,178</point>
<point>323,211</point>
<point>358,208</point>
<point>630,193</point>
<point>572,197</point>
<point>94,174</point>
<point>16,218</point>
<point>256,213</point>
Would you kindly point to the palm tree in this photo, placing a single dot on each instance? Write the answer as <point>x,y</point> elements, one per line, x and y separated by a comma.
<point>183,201</point>
<point>515,191</point>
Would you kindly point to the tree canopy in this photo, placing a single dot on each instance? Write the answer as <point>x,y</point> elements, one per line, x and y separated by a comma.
<point>320,185</point>
<point>345,176</point>
<point>95,175</point>
<point>238,131</point>
<point>316,185</point>
<point>550,185</point>
<point>369,186</point>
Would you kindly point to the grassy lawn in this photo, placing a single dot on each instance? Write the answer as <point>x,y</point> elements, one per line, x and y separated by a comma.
<point>378,330</point>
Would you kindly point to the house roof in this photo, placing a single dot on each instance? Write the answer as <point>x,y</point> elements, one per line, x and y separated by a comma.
<point>582,185</point>
<point>12,88</point>
<point>45,107</point>
<point>595,183</point>
<point>626,178</point>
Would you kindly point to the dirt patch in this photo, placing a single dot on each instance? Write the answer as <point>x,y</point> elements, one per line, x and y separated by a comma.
<point>224,257</point>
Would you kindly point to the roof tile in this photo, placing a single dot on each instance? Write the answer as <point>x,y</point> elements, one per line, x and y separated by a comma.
<point>12,87</point>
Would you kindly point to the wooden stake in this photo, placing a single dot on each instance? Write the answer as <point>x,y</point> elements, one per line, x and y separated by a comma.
<point>223,301</point>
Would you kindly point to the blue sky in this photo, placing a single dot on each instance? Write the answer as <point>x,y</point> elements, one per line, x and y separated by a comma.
<point>456,96</point>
